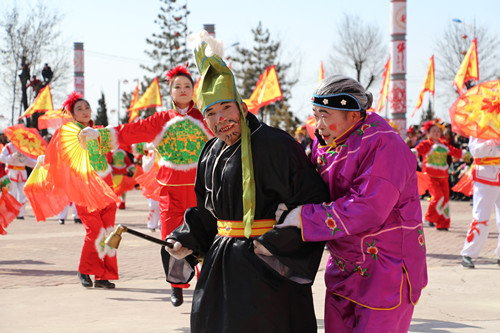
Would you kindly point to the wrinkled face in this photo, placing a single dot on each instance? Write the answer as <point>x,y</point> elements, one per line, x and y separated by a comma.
<point>223,119</point>
<point>82,112</point>
<point>181,91</point>
<point>434,133</point>
<point>332,123</point>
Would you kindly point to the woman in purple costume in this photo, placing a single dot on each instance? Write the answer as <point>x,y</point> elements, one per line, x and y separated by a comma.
<point>373,223</point>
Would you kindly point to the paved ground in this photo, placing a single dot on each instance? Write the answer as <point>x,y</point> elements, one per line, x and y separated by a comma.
<point>39,290</point>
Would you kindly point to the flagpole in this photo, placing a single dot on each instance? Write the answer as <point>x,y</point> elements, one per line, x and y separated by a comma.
<point>432,107</point>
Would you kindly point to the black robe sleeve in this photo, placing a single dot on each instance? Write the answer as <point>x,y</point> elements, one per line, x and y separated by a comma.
<point>298,183</point>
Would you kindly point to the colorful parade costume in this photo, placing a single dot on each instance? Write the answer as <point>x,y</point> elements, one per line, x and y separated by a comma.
<point>122,171</point>
<point>436,166</point>
<point>372,225</point>
<point>179,137</point>
<point>83,177</point>
<point>237,290</point>
<point>486,176</point>
<point>16,163</point>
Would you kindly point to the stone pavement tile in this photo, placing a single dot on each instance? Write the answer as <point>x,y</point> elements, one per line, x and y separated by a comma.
<point>443,247</point>
<point>39,290</point>
<point>459,300</point>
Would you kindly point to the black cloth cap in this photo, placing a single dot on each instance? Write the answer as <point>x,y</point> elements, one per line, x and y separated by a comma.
<point>341,101</point>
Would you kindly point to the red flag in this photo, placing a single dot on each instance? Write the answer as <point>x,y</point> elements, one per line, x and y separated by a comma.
<point>384,91</point>
<point>267,90</point>
<point>469,68</point>
<point>427,86</point>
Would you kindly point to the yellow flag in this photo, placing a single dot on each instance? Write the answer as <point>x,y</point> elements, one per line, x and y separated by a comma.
<point>42,102</point>
<point>384,91</point>
<point>150,98</point>
<point>321,72</point>
<point>134,113</point>
<point>267,90</point>
<point>469,68</point>
<point>427,86</point>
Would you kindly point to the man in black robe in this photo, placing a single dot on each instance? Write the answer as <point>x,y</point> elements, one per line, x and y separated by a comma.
<point>243,174</point>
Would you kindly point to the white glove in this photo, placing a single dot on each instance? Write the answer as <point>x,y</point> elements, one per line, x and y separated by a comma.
<point>281,208</point>
<point>90,133</point>
<point>178,251</point>
<point>149,146</point>
<point>40,159</point>
<point>292,219</point>
<point>261,249</point>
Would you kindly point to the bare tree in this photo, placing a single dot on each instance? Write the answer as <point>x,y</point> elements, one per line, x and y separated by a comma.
<point>35,38</point>
<point>359,51</point>
<point>451,48</point>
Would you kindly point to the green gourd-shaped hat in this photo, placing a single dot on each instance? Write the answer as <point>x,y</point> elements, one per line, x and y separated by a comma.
<point>217,85</point>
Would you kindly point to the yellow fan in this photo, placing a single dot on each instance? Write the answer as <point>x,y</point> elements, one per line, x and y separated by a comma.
<point>69,169</point>
<point>72,150</point>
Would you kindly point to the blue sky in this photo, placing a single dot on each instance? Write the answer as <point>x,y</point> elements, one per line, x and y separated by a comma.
<point>114,33</point>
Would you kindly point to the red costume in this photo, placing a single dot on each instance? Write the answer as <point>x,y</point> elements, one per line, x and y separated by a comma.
<point>98,258</point>
<point>122,167</point>
<point>435,164</point>
<point>179,136</point>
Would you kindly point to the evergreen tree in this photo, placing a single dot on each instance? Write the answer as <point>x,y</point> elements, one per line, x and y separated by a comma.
<point>427,113</point>
<point>168,49</point>
<point>102,116</point>
<point>249,64</point>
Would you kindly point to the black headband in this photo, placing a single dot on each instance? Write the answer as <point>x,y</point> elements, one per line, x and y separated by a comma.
<point>340,101</point>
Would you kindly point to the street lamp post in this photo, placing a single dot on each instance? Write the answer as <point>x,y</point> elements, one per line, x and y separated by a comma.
<point>473,27</point>
<point>119,99</point>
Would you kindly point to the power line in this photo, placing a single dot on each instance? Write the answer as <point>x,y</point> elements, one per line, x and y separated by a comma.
<point>118,57</point>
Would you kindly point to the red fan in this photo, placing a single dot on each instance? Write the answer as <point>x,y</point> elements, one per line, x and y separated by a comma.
<point>26,140</point>
<point>477,112</point>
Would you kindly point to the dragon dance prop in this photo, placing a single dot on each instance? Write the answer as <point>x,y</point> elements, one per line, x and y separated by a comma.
<point>27,140</point>
<point>477,112</point>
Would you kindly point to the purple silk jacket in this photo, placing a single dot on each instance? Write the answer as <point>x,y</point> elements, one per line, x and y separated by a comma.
<point>373,225</point>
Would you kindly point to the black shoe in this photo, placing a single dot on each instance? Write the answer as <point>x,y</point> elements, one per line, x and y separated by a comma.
<point>20,217</point>
<point>176,296</point>
<point>467,262</point>
<point>85,280</point>
<point>104,284</point>
<point>430,224</point>
<point>61,221</point>
<point>78,221</point>
<point>442,229</point>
